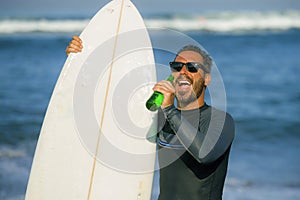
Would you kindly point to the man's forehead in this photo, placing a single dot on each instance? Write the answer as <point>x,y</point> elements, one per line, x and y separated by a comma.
<point>189,56</point>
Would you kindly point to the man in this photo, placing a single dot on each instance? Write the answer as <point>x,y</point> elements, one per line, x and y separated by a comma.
<point>194,139</point>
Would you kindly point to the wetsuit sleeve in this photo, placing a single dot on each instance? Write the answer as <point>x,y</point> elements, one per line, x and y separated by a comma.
<point>204,146</point>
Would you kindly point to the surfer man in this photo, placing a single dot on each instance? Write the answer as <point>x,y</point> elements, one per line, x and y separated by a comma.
<point>194,139</point>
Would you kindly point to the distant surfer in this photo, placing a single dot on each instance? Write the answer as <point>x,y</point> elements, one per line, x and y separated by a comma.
<point>197,135</point>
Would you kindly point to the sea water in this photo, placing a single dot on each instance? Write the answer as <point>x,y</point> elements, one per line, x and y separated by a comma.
<point>259,65</point>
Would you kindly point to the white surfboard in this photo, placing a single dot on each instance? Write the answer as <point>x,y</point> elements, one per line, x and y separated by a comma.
<point>95,142</point>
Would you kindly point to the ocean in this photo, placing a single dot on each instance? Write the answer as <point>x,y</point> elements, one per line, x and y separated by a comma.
<point>256,53</point>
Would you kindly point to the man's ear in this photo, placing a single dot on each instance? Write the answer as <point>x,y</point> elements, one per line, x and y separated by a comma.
<point>206,79</point>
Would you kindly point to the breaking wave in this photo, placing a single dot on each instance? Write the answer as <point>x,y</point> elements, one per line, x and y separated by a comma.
<point>218,22</point>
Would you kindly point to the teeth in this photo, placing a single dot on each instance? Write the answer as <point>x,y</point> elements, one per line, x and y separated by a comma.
<point>184,83</point>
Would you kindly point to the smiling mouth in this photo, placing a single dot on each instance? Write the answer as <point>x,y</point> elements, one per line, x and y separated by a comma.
<point>184,83</point>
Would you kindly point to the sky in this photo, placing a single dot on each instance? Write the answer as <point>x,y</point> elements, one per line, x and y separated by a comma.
<point>90,7</point>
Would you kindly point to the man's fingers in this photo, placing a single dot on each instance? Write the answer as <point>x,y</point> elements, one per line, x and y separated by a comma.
<point>74,46</point>
<point>76,38</point>
<point>164,86</point>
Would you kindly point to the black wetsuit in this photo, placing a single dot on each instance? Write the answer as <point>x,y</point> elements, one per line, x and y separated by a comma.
<point>193,152</point>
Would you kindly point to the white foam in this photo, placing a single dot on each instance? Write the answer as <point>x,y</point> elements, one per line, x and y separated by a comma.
<point>41,25</point>
<point>232,22</point>
<point>219,22</point>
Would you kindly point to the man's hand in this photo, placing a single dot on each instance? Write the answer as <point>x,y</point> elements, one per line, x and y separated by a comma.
<point>74,46</point>
<point>167,89</point>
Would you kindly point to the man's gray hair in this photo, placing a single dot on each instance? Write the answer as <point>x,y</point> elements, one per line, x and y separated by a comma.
<point>207,60</point>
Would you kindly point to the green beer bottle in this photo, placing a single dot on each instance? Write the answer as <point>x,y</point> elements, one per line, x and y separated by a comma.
<point>156,99</point>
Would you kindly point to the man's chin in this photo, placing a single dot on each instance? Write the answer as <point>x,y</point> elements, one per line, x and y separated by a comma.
<point>182,96</point>
<point>184,100</point>
<point>184,93</point>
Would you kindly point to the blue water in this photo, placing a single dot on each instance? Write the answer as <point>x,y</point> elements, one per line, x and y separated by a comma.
<point>261,76</point>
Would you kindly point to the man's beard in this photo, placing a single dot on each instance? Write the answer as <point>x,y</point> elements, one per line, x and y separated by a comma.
<point>184,99</point>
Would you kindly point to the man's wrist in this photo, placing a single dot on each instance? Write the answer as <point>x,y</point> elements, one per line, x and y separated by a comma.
<point>168,111</point>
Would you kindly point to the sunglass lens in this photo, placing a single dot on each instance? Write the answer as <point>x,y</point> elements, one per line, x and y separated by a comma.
<point>191,67</point>
<point>176,66</point>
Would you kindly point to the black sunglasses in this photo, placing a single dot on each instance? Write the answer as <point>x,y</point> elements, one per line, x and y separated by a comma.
<point>190,66</point>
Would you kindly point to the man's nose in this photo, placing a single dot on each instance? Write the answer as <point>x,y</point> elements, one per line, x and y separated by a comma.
<point>183,69</point>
